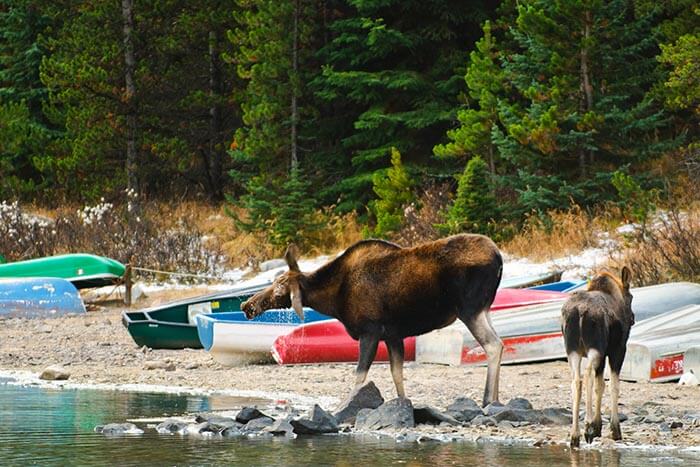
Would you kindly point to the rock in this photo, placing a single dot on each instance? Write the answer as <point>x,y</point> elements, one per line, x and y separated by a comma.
<point>258,424</point>
<point>46,329</point>
<point>653,419</point>
<point>676,424</point>
<point>518,415</point>
<point>664,427</point>
<point>217,420</point>
<point>271,264</point>
<point>366,397</point>
<point>158,365</point>
<point>250,413</point>
<point>519,403</point>
<point>192,366</point>
<point>397,413</point>
<point>320,422</point>
<point>54,373</point>
<point>493,408</point>
<point>558,416</point>
<point>432,416</point>
<point>203,429</point>
<point>484,420</point>
<point>281,428</point>
<point>232,432</point>
<point>171,425</point>
<point>464,409</point>
<point>118,429</point>
<point>506,424</point>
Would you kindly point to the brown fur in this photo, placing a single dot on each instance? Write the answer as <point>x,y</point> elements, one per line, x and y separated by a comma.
<point>379,290</point>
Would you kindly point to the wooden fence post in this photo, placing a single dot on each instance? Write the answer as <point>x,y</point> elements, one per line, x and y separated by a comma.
<point>127,285</point>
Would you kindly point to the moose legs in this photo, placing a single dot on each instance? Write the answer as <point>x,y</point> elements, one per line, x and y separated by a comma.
<point>368,349</point>
<point>396,351</point>
<point>594,375</point>
<point>481,328</point>
<point>576,386</point>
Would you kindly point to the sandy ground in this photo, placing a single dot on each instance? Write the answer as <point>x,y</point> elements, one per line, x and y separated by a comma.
<point>96,348</point>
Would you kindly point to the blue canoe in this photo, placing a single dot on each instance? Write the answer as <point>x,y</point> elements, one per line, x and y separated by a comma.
<point>232,339</point>
<point>561,286</point>
<point>38,297</point>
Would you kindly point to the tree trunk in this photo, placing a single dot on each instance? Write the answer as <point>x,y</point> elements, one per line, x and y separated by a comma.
<point>132,163</point>
<point>586,87</point>
<point>294,84</point>
<point>214,165</point>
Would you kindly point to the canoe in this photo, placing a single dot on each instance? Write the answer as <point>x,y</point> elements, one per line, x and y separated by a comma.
<point>172,325</point>
<point>327,341</point>
<point>657,346</point>
<point>560,286</point>
<point>233,340</point>
<point>521,282</point>
<point>38,297</point>
<point>532,334</point>
<point>81,269</point>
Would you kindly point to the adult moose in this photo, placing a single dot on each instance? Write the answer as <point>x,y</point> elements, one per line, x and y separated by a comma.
<point>381,291</point>
<point>596,324</point>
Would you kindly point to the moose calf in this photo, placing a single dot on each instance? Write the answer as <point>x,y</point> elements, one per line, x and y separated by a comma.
<point>381,291</point>
<point>596,324</point>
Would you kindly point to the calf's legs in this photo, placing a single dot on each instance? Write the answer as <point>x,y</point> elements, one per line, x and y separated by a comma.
<point>481,328</point>
<point>616,433</point>
<point>576,386</point>
<point>594,374</point>
<point>368,349</point>
<point>396,353</point>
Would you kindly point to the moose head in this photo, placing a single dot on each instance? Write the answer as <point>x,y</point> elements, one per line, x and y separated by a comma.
<point>282,293</point>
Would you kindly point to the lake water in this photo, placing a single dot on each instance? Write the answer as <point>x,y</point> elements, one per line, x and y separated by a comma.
<point>40,426</point>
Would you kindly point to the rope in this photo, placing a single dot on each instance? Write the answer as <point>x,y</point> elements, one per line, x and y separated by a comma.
<point>184,274</point>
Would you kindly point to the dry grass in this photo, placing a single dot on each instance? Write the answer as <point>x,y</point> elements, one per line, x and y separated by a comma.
<point>562,233</point>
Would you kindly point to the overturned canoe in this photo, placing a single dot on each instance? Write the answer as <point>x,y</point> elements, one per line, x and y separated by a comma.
<point>533,333</point>
<point>520,282</point>
<point>173,326</point>
<point>232,339</point>
<point>560,286</point>
<point>328,341</point>
<point>81,269</point>
<point>38,297</point>
<point>657,346</point>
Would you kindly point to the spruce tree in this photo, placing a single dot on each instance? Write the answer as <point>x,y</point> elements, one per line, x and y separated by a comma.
<point>474,208</point>
<point>393,190</point>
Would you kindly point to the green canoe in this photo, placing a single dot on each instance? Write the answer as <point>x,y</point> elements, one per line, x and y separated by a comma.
<point>173,326</point>
<point>81,269</point>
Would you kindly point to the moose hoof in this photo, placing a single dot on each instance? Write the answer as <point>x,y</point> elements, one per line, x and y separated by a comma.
<point>616,433</point>
<point>593,430</point>
<point>575,441</point>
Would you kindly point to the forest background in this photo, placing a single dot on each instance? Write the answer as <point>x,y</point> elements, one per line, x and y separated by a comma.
<point>324,121</point>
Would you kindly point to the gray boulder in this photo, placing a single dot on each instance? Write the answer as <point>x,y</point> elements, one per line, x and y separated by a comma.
<point>493,408</point>
<point>519,403</point>
<point>250,413</point>
<point>558,415</point>
<point>171,425</point>
<point>424,414</point>
<point>281,427</point>
<point>464,409</point>
<point>54,373</point>
<point>217,420</point>
<point>258,424</point>
<point>319,422</point>
<point>115,429</point>
<point>484,420</point>
<point>397,413</point>
<point>366,397</point>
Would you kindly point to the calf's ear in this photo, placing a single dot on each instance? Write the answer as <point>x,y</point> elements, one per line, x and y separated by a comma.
<point>290,256</point>
<point>626,276</point>
<point>295,296</point>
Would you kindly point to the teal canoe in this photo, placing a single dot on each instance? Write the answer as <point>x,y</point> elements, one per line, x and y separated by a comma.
<point>81,269</point>
<point>39,297</point>
<point>173,326</point>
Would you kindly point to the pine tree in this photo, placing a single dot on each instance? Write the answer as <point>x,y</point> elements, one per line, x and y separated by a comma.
<point>474,209</point>
<point>393,189</point>
<point>393,75</point>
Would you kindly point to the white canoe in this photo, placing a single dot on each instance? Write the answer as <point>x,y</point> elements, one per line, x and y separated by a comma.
<point>656,348</point>
<point>691,360</point>
<point>532,334</point>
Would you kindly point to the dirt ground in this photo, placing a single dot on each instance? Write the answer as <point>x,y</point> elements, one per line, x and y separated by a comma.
<point>96,348</point>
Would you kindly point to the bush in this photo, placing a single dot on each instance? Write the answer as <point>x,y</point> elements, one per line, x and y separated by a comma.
<point>393,189</point>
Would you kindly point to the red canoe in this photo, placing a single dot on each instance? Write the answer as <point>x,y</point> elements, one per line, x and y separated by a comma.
<point>327,341</point>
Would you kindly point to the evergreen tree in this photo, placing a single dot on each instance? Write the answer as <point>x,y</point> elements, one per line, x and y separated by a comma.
<point>474,209</point>
<point>393,73</point>
<point>393,189</point>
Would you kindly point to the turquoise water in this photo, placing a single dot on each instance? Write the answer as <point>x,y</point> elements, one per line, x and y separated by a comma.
<point>55,427</point>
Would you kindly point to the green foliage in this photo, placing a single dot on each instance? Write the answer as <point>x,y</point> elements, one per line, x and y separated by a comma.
<point>393,189</point>
<point>474,208</point>
<point>635,201</point>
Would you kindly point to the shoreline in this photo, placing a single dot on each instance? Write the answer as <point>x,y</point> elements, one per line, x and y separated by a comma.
<point>100,354</point>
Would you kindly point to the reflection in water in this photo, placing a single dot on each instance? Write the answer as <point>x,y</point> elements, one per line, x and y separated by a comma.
<point>55,427</point>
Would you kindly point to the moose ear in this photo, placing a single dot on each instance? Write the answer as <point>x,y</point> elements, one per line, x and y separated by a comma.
<point>290,256</point>
<point>295,296</point>
<point>626,276</point>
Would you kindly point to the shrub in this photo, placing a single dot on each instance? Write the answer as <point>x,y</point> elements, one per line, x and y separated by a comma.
<point>393,189</point>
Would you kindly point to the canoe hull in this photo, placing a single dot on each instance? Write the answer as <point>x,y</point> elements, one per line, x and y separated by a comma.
<point>327,342</point>
<point>534,333</point>
<point>173,325</point>
<point>37,297</point>
<point>81,269</point>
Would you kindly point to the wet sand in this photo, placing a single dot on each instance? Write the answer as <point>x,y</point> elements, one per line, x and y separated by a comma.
<point>96,348</point>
